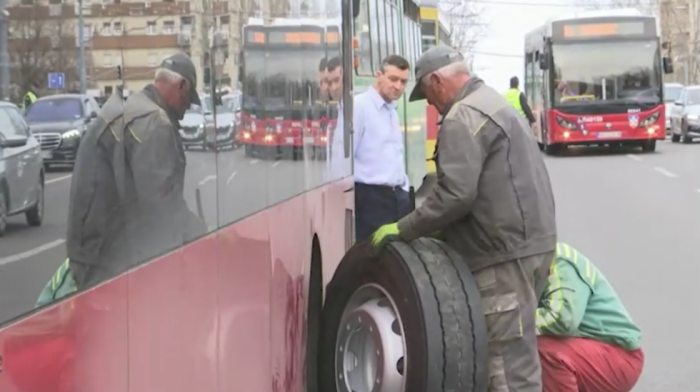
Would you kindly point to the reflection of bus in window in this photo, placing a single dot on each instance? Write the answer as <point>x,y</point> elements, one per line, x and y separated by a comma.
<point>596,79</point>
<point>434,31</point>
<point>287,73</point>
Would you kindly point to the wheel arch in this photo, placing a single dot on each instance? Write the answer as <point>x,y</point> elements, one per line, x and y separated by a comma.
<point>314,308</point>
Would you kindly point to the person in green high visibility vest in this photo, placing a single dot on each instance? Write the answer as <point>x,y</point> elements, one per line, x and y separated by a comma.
<point>30,96</point>
<point>516,98</point>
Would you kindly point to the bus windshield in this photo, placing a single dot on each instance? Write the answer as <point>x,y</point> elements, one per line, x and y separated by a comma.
<point>614,72</point>
<point>253,77</point>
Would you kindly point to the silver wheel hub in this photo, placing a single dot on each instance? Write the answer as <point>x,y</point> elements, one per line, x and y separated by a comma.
<point>370,348</point>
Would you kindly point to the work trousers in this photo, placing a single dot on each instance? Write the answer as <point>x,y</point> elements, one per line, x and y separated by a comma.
<point>509,296</point>
<point>586,365</point>
<point>377,205</point>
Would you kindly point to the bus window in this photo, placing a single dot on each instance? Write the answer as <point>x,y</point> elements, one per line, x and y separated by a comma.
<point>374,34</point>
<point>362,33</point>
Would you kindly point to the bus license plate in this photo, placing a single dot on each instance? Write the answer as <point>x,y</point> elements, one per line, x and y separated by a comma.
<point>289,140</point>
<point>607,135</point>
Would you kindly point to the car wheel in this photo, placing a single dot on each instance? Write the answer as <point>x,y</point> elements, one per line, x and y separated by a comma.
<point>35,215</point>
<point>407,320</point>
<point>3,213</point>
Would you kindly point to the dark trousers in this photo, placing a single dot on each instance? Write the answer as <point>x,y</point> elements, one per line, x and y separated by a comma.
<point>377,205</point>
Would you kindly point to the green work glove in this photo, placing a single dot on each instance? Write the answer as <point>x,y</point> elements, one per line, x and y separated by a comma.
<point>383,233</point>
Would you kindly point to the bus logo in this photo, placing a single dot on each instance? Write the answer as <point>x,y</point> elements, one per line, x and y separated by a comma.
<point>633,120</point>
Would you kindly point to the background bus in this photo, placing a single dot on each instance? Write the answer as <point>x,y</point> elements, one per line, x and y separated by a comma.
<point>237,308</point>
<point>596,79</point>
<point>434,31</point>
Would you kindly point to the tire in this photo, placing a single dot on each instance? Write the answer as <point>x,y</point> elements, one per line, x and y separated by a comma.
<point>553,149</point>
<point>35,215</point>
<point>649,146</point>
<point>440,322</point>
<point>3,213</point>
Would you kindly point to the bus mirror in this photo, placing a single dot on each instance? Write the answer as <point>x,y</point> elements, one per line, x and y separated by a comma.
<point>355,8</point>
<point>668,65</point>
<point>544,63</point>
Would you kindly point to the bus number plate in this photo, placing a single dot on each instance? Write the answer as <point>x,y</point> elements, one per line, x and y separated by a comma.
<point>607,135</point>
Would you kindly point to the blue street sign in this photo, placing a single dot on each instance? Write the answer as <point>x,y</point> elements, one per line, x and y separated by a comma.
<point>57,80</point>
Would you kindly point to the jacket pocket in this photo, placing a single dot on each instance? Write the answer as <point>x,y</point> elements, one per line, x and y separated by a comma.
<point>503,317</point>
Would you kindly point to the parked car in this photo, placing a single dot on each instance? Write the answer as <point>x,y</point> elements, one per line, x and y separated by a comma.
<point>672,92</point>
<point>685,115</point>
<point>199,130</point>
<point>21,169</point>
<point>59,122</point>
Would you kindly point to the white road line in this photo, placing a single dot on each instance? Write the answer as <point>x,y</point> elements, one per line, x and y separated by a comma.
<point>665,172</point>
<point>276,163</point>
<point>254,161</point>
<point>31,252</point>
<point>57,179</point>
<point>634,157</point>
<point>207,179</point>
<point>228,180</point>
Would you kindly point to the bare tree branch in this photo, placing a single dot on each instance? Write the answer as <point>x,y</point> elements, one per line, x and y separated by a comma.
<point>465,22</point>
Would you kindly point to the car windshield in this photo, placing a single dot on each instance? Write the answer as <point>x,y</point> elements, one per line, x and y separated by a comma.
<point>232,103</point>
<point>692,97</point>
<point>606,71</point>
<point>55,110</point>
<point>671,93</point>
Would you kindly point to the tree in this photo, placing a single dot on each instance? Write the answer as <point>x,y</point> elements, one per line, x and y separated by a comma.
<point>466,24</point>
<point>647,7</point>
<point>41,39</point>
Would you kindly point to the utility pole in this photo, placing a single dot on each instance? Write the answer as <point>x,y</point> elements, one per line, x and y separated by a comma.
<point>4,55</point>
<point>81,47</point>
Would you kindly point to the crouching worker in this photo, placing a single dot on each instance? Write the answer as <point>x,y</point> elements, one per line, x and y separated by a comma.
<point>587,340</point>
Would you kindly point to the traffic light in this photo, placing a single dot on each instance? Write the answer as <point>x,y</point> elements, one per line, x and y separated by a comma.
<point>119,72</point>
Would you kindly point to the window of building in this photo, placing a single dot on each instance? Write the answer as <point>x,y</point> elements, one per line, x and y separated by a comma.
<point>152,60</point>
<point>151,28</point>
<point>107,60</point>
<point>224,23</point>
<point>117,28</point>
<point>109,90</point>
<point>186,24</point>
<point>106,28</point>
<point>55,2</point>
<point>168,27</point>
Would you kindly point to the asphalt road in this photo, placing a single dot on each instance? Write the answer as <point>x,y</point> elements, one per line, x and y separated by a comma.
<point>637,216</point>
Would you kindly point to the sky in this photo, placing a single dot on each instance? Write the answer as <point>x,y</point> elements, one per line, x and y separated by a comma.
<point>508,21</point>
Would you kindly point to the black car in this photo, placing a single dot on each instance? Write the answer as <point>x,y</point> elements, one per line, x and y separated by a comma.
<point>21,169</point>
<point>58,122</point>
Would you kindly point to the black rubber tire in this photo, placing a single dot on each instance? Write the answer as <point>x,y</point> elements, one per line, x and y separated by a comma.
<point>35,215</point>
<point>649,146</point>
<point>438,303</point>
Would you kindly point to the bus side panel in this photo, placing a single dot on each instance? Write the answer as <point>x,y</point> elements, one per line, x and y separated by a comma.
<point>432,118</point>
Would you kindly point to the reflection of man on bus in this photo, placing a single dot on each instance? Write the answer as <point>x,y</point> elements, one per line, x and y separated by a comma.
<point>322,81</point>
<point>338,165</point>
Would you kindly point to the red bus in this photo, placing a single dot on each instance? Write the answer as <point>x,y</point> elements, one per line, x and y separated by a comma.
<point>597,79</point>
<point>283,108</point>
<point>233,310</point>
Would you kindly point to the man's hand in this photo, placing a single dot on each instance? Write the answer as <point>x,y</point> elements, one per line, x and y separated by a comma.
<point>381,235</point>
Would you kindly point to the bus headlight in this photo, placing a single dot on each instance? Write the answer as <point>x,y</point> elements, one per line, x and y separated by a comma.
<point>566,123</point>
<point>650,120</point>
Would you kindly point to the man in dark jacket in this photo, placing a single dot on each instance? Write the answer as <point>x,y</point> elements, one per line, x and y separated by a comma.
<point>493,204</point>
<point>126,201</point>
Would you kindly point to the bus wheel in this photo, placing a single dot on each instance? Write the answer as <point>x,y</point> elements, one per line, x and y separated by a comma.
<point>407,320</point>
<point>553,149</point>
<point>649,146</point>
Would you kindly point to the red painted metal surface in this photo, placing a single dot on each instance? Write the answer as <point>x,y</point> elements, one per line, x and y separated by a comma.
<point>225,313</point>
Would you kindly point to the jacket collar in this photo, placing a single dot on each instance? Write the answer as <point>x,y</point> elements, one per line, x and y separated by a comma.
<point>469,87</point>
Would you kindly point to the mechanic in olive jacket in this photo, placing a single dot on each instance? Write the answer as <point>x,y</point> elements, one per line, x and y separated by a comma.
<point>126,202</point>
<point>492,203</point>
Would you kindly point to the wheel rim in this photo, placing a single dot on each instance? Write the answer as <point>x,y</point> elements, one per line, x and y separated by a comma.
<point>370,349</point>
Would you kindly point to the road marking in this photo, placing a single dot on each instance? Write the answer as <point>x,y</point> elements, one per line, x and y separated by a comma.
<point>665,172</point>
<point>228,180</point>
<point>254,161</point>
<point>276,163</point>
<point>634,157</point>
<point>31,252</point>
<point>57,179</point>
<point>207,179</point>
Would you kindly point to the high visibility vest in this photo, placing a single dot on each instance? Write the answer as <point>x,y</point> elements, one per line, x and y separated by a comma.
<point>30,96</point>
<point>513,96</point>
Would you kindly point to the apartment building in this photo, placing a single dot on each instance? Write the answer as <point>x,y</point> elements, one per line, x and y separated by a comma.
<point>132,35</point>
<point>679,34</point>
